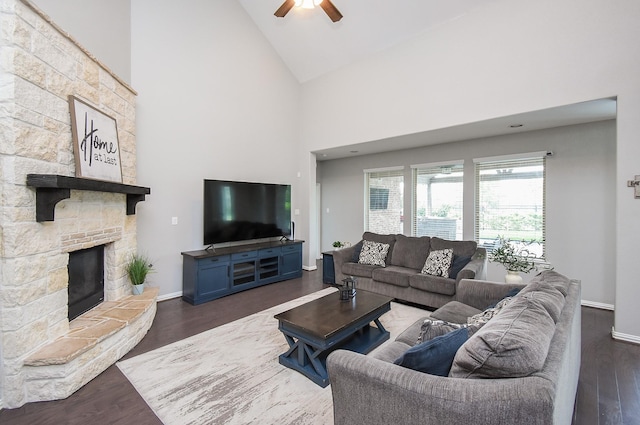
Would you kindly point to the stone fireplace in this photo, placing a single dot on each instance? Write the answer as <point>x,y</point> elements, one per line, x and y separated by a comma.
<point>43,355</point>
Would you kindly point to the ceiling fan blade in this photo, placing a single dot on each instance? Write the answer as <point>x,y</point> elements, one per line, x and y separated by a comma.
<point>332,11</point>
<point>285,8</point>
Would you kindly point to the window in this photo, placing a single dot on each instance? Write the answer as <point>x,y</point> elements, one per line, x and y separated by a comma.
<point>510,202</point>
<point>384,200</point>
<point>437,200</point>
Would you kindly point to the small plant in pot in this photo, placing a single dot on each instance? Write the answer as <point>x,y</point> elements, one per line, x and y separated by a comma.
<point>138,267</point>
<point>338,244</point>
<point>515,259</point>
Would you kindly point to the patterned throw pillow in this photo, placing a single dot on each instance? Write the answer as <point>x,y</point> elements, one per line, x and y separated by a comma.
<point>434,328</point>
<point>373,253</point>
<point>438,263</point>
<point>481,318</point>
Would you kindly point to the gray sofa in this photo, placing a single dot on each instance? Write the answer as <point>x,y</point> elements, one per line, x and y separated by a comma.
<point>401,277</point>
<point>373,390</point>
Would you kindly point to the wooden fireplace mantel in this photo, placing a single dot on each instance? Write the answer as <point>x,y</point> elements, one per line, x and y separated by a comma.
<point>53,188</point>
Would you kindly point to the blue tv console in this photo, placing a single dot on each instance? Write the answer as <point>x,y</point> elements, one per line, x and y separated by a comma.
<point>211,274</point>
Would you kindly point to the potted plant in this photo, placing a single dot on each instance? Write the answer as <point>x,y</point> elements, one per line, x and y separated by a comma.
<point>515,259</point>
<point>138,267</point>
<point>338,244</point>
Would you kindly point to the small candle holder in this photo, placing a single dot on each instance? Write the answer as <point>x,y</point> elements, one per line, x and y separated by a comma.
<point>348,288</point>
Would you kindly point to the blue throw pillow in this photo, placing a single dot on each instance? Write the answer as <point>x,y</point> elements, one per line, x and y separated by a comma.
<point>458,263</point>
<point>356,252</point>
<point>435,356</point>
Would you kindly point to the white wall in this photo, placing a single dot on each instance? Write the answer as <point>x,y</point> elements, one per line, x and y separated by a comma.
<point>215,101</point>
<point>503,59</point>
<point>102,27</point>
<point>580,196</point>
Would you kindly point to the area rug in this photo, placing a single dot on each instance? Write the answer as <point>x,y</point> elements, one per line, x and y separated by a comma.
<point>231,375</point>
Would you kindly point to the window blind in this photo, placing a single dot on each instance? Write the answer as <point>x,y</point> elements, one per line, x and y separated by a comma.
<point>510,202</point>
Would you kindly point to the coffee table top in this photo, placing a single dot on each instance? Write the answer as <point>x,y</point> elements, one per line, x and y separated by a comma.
<point>329,315</point>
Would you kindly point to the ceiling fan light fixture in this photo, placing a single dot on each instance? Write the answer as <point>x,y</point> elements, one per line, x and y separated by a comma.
<point>308,4</point>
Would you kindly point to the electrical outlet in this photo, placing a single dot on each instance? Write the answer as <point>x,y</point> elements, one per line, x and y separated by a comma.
<point>174,220</point>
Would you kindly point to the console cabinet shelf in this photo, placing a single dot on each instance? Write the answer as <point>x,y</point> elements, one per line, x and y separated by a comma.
<point>207,275</point>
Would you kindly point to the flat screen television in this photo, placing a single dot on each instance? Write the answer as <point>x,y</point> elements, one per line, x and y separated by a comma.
<point>240,211</point>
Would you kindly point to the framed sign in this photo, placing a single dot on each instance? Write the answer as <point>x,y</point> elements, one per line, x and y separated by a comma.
<point>95,142</point>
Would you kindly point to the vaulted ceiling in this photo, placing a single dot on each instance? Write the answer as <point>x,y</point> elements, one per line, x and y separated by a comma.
<point>310,44</point>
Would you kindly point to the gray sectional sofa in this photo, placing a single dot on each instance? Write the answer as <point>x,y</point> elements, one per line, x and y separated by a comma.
<point>401,277</point>
<point>521,367</point>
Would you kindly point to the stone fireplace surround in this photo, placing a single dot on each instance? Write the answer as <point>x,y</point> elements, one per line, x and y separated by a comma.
<point>42,355</point>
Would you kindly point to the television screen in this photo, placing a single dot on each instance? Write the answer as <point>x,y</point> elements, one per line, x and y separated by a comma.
<point>239,211</point>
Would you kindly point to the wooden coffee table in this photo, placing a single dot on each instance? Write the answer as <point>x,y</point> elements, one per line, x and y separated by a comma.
<point>315,329</point>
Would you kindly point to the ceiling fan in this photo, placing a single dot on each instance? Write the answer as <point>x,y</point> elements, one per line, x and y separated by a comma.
<point>331,11</point>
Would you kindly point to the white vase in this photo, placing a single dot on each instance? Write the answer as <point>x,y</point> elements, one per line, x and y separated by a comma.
<point>513,277</point>
<point>138,289</point>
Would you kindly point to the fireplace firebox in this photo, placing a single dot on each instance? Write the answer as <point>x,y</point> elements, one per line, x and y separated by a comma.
<point>86,280</point>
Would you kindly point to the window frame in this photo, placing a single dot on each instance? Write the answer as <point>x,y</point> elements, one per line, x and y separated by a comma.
<point>510,162</point>
<point>456,166</point>
<point>390,172</point>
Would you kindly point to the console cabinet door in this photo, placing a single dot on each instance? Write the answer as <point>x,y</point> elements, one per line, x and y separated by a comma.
<point>213,278</point>
<point>291,261</point>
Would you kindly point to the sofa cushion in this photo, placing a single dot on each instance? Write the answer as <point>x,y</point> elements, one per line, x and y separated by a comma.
<point>374,253</point>
<point>436,355</point>
<point>358,270</point>
<point>377,237</point>
<point>457,264</point>
<point>393,275</point>
<point>514,343</point>
<point>438,262</point>
<point>455,312</point>
<point>548,295</point>
<point>410,252</point>
<point>438,285</point>
<point>552,277</point>
<point>512,293</point>
<point>459,247</point>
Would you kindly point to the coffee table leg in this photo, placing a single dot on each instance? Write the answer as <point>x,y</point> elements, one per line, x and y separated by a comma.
<point>379,325</point>
<point>305,359</point>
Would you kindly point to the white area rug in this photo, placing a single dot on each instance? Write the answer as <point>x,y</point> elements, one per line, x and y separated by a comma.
<point>231,375</point>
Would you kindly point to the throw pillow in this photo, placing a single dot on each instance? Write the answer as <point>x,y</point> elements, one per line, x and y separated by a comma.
<point>373,253</point>
<point>438,262</point>
<point>357,248</point>
<point>481,318</point>
<point>511,345</point>
<point>457,264</point>
<point>436,355</point>
<point>433,328</point>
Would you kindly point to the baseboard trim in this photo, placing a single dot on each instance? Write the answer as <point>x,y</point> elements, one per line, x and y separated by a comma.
<point>169,296</point>
<point>309,268</point>
<point>594,304</point>
<point>624,337</point>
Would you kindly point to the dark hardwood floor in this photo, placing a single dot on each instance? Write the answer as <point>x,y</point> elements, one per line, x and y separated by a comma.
<point>608,391</point>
